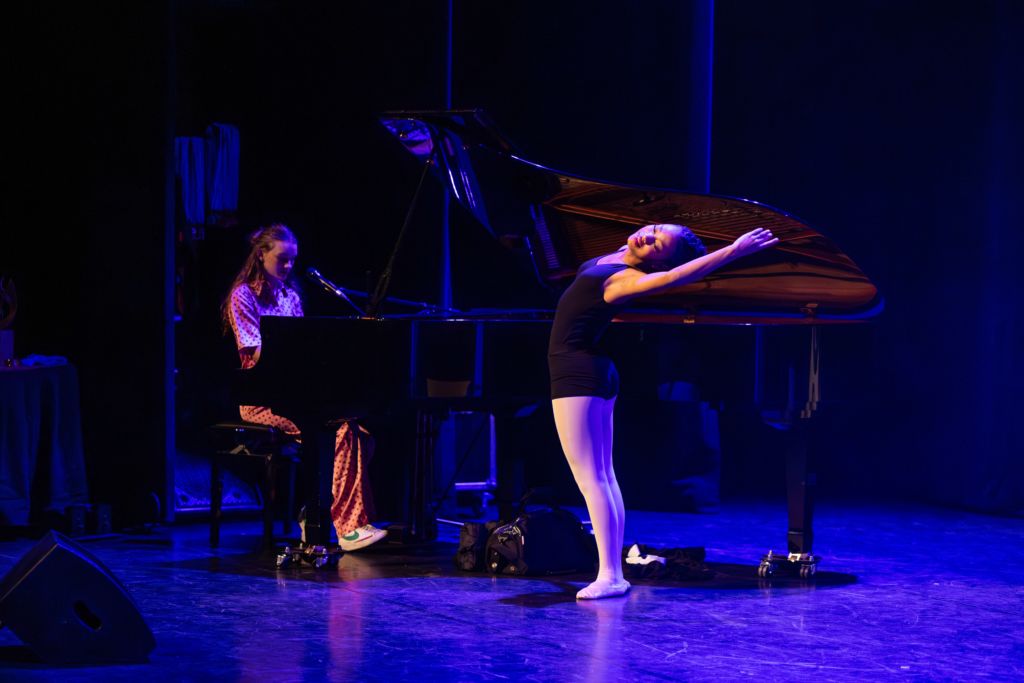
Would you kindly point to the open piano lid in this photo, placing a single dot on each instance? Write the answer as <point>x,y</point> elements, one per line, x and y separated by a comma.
<point>567,220</point>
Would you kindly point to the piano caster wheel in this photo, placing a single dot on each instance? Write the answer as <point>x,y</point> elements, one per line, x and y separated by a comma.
<point>292,560</point>
<point>329,561</point>
<point>288,557</point>
<point>316,556</point>
<point>803,565</point>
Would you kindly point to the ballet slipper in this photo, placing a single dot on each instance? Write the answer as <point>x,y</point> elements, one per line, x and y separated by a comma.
<point>603,588</point>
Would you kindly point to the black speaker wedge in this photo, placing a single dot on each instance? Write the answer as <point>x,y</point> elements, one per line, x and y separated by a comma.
<point>69,609</point>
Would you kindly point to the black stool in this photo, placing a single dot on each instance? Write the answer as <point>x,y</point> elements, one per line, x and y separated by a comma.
<point>249,439</point>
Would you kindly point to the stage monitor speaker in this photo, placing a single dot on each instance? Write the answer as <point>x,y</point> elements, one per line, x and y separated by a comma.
<point>69,609</point>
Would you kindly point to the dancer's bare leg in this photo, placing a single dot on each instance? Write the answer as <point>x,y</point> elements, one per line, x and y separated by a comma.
<point>580,421</point>
<point>609,469</point>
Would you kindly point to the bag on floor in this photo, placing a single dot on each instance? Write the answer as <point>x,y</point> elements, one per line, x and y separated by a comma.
<point>546,541</point>
<point>471,554</point>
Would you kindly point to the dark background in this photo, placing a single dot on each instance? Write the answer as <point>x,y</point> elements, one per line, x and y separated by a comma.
<point>893,127</point>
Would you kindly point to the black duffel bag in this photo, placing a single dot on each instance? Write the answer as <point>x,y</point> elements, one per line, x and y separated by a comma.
<point>544,541</point>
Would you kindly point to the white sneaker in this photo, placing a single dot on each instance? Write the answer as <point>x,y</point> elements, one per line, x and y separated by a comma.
<point>361,537</point>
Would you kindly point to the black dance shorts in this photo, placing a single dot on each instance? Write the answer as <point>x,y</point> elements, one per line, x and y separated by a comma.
<point>583,374</point>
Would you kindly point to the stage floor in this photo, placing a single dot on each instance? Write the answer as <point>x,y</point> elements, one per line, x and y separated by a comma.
<point>903,592</point>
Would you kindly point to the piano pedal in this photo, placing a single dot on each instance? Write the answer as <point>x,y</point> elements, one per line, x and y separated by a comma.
<point>802,565</point>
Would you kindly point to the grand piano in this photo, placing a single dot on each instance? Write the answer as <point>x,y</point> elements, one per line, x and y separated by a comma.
<point>785,295</point>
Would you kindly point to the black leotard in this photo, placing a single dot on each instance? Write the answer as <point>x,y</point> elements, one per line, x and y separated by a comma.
<point>578,367</point>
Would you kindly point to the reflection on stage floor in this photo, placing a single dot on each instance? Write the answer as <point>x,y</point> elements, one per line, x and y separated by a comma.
<point>902,591</point>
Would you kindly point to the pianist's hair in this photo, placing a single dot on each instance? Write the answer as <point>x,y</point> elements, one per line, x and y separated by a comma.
<point>260,242</point>
<point>687,249</point>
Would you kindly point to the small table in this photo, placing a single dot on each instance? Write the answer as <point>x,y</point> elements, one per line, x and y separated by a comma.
<point>42,466</point>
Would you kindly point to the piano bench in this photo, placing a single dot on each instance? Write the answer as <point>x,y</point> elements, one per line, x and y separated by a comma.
<point>231,440</point>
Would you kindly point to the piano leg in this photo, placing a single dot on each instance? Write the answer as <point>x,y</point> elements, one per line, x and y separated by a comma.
<point>800,483</point>
<point>794,421</point>
<point>317,452</point>
<point>318,489</point>
<point>317,455</point>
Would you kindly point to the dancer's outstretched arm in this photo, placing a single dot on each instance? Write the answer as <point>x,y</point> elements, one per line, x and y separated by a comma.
<point>632,283</point>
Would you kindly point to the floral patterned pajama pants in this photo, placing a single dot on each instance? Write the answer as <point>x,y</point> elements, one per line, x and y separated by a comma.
<point>352,497</point>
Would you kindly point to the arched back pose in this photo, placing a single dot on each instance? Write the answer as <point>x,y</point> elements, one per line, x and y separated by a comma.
<point>584,382</point>
<point>263,287</point>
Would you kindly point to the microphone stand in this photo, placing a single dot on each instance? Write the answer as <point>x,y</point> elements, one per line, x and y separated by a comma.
<point>346,292</point>
<point>334,289</point>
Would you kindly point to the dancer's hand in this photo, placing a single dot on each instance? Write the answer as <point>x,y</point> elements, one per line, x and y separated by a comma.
<point>753,242</point>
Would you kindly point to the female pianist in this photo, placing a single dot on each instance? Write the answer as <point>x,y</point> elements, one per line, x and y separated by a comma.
<point>264,287</point>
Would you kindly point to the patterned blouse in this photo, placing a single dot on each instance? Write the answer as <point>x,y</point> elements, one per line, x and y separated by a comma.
<point>245,311</point>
